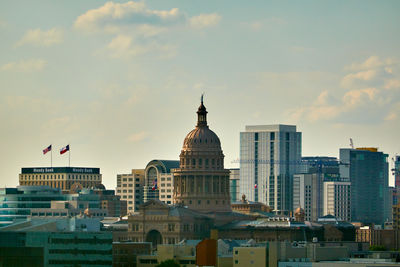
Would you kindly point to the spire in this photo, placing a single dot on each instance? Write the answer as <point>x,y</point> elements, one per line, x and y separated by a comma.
<point>202,114</point>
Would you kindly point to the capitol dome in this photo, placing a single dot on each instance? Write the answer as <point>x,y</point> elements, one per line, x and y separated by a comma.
<point>201,137</point>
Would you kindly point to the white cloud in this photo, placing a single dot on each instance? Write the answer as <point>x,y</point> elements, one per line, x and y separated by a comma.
<point>361,101</point>
<point>205,20</point>
<point>111,16</point>
<point>41,38</point>
<point>367,75</point>
<point>392,84</point>
<point>123,46</point>
<point>30,65</point>
<point>136,137</point>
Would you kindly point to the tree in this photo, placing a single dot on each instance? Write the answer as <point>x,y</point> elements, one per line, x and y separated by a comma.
<point>377,248</point>
<point>168,263</point>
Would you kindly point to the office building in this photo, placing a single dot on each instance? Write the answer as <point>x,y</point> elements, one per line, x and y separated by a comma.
<point>234,185</point>
<point>367,170</point>
<point>130,188</point>
<point>159,180</point>
<point>18,204</point>
<point>337,200</point>
<point>308,194</point>
<point>60,248</point>
<point>68,179</point>
<point>308,187</point>
<point>269,156</point>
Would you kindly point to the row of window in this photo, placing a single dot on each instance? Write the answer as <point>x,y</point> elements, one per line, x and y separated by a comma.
<point>59,177</point>
<point>199,162</point>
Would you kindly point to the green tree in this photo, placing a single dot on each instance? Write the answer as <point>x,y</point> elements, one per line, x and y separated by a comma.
<point>377,248</point>
<point>168,263</point>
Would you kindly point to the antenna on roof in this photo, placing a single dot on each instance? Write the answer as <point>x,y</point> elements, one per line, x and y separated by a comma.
<point>202,96</point>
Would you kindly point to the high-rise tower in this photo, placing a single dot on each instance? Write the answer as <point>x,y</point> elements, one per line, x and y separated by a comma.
<point>269,156</point>
<point>201,182</point>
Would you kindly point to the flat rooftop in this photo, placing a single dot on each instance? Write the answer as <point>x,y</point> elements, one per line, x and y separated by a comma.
<point>271,128</point>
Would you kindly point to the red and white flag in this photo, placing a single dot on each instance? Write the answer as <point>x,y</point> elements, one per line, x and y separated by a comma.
<point>64,149</point>
<point>255,186</point>
<point>47,149</point>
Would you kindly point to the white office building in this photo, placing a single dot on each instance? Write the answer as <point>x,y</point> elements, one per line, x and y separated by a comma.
<point>269,156</point>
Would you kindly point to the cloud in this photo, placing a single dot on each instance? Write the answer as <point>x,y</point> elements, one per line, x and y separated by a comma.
<point>123,46</point>
<point>205,20</point>
<point>392,84</point>
<point>30,65</point>
<point>367,75</point>
<point>372,62</point>
<point>267,23</point>
<point>367,97</point>
<point>38,37</point>
<point>111,16</point>
<point>118,18</point>
<point>137,137</point>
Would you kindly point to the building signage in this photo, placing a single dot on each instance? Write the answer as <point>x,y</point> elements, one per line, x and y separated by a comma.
<point>60,170</point>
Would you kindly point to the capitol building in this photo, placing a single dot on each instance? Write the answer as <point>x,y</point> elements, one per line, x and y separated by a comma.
<point>201,193</point>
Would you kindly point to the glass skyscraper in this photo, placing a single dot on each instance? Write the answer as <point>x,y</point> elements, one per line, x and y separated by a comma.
<point>269,156</point>
<point>367,170</point>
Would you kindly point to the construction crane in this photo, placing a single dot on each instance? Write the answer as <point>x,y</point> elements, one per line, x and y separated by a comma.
<point>351,143</point>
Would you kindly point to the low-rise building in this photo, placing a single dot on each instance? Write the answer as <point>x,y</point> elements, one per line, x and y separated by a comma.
<point>65,178</point>
<point>125,253</point>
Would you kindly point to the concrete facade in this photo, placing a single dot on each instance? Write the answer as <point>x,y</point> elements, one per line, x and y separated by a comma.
<point>269,156</point>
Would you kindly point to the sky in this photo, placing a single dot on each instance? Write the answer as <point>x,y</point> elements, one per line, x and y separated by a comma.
<point>121,81</point>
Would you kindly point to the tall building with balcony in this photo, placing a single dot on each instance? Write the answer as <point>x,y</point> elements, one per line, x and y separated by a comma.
<point>130,188</point>
<point>68,179</point>
<point>367,170</point>
<point>269,157</point>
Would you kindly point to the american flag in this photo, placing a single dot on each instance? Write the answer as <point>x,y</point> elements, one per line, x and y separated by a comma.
<point>47,149</point>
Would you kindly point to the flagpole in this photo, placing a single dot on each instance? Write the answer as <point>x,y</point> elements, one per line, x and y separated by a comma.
<point>51,158</point>
<point>69,157</point>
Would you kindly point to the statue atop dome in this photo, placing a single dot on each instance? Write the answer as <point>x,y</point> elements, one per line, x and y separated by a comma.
<point>202,114</point>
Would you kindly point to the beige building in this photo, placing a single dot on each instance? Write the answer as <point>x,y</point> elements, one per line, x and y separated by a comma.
<point>68,179</point>
<point>130,188</point>
<point>160,223</point>
<point>184,254</point>
<point>337,198</point>
<point>166,188</point>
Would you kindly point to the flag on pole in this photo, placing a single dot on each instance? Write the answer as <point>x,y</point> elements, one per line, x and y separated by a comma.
<point>47,149</point>
<point>154,185</point>
<point>64,149</point>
